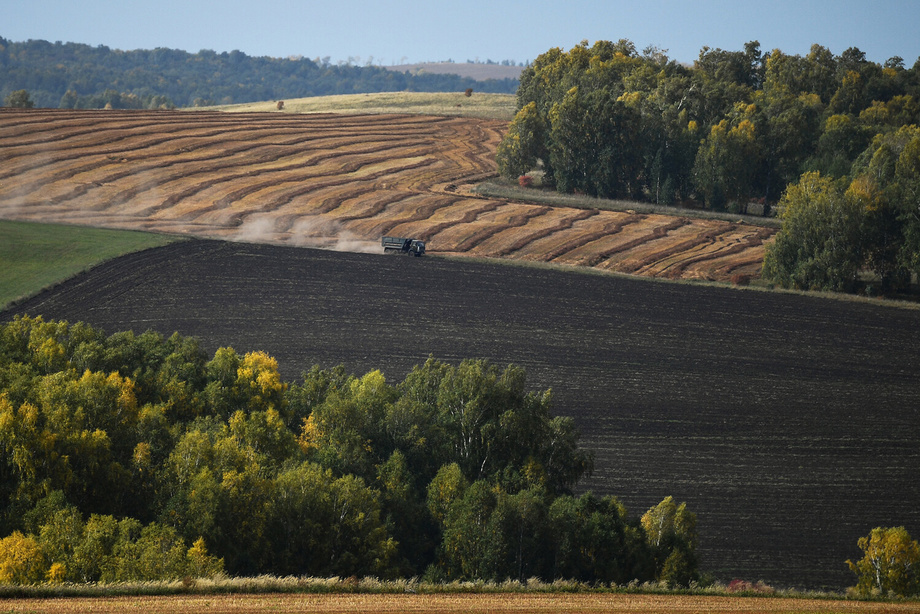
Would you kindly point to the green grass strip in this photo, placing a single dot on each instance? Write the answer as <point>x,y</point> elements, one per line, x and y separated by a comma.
<point>34,256</point>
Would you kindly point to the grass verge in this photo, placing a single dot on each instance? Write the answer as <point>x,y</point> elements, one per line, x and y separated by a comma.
<point>335,585</point>
<point>510,191</point>
<point>35,256</point>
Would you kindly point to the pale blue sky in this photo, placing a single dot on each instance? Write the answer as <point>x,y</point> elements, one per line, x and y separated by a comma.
<point>401,31</point>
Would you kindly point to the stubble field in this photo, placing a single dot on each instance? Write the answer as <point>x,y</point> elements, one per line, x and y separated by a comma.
<point>334,181</point>
<point>452,603</point>
<point>788,423</point>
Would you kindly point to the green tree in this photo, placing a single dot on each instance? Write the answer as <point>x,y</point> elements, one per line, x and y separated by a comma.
<point>473,545</point>
<point>728,161</point>
<point>890,563</point>
<point>841,141</point>
<point>343,433</point>
<point>524,145</point>
<point>819,245</point>
<point>593,542</point>
<point>595,146</point>
<point>671,533</point>
<point>907,176</point>
<point>157,554</point>
<point>19,100</point>
<point>447,487</point>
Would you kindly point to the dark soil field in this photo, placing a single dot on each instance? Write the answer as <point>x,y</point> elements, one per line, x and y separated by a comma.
<point>789,424</point>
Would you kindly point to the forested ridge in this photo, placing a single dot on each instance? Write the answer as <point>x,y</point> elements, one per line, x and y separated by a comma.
<point>74,75</point>
<point>133,457</point>
<point>738,131</point>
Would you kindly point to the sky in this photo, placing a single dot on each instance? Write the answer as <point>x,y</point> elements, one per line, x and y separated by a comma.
<point>402,31</point>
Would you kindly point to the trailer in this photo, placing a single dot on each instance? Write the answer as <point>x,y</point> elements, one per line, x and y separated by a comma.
<point>400,245</point>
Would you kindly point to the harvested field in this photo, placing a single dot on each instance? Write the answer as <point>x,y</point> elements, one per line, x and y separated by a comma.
<point>334,181</point>
<point>451,603</point>
<point>788,423</point>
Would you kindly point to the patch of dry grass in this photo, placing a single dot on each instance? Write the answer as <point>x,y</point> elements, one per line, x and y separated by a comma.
<point>450,603</point>
<point>486,106</point>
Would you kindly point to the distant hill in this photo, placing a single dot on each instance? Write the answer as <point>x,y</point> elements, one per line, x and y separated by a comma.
<point>480,72</point>
<point>78,76</point>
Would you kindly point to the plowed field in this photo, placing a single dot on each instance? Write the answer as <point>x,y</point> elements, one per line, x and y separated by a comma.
<point>339,181</point>
<point>788,423</point>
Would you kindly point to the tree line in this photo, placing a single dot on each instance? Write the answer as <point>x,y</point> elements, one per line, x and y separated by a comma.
<point>734,132</point>
<point>78,76</point>
<point>132,457</point>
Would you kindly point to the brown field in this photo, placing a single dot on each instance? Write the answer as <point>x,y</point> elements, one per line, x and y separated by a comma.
<point>334,181</point>
<point>583,603</point>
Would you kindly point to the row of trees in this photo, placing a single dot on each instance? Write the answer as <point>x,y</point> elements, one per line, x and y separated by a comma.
<point>71,75</point>
<point>115,448</point>
<point>739,127</point>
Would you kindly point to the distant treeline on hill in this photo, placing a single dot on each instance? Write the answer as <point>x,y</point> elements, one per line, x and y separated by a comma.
<point>72,75</point>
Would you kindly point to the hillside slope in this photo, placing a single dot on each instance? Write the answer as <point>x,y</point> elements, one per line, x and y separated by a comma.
<point>788,423</point>
<point>335,181</point>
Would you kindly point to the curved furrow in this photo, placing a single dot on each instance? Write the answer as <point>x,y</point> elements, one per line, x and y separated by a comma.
<point>414,216</point>
<point>95,130</point>
<point>282,174</point>
<point>478,209</point>
<point>609,227</point>
<point>292,178</point>
<point>119,157</point>
<point>112,177</point>
<point>182,176</point>
<point>373,206</point>
<point>397,214</point>
<point>684,259</point>
<point>657,233</point>
<point>406,213</point>
<point>482,150</point>
<point>477,237</point>
<point>107,136</point>
<point>722,263</point>
<point>750,265</point>
<point>339,181</point>
<point>565,224</point>
<point>149,158</point>
<point>329,183</point>
<point>655,257</point>
<point>474,152</point>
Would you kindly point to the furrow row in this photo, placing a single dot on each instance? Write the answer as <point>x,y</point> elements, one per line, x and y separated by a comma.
<point>291,178</point>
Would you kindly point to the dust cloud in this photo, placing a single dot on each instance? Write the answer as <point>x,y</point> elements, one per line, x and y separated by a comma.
<point>305,232</point>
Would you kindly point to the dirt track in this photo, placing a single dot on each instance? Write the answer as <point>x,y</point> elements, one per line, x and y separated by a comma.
<point>789,424</point>
<point>326,181</point>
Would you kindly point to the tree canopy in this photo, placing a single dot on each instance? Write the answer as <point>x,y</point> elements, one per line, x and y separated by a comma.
<point>890,564</point>
<point>730,133</point>
<point>133,457</point>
